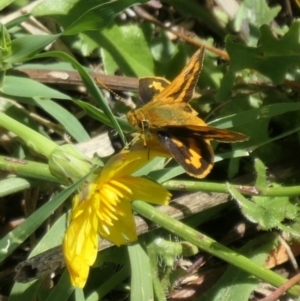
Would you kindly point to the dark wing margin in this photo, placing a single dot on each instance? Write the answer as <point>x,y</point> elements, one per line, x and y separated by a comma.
<point>190,150</point>
<point>209,132</point>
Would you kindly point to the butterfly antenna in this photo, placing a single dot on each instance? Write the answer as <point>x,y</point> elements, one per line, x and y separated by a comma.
<point>120,98</point>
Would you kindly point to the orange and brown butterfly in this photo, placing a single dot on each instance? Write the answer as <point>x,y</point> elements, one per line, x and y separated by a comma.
<point>168,115</point>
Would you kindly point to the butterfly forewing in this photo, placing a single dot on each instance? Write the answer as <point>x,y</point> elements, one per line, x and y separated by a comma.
<point>182,87</point>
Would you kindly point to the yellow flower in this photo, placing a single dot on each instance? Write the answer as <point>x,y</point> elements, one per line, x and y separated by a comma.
<point>104,208</point>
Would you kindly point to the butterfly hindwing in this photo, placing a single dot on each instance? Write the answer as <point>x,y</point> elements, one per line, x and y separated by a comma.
<point>189,149</point>
<point>149,87</point>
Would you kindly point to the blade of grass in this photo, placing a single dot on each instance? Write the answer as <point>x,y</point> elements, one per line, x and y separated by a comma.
<point>26,47</point>
<point>110,284</point>
<point>99,115</point>
<point>63,289</point>
<point>141,280</point>
<point>13,185</point>
<point>91,87</point>
<point>68,120</point>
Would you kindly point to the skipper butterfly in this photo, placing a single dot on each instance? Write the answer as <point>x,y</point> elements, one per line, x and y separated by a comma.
<point>168,115</point>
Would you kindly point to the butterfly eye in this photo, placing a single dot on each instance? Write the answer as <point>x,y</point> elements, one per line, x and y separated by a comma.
<point>145,124</point>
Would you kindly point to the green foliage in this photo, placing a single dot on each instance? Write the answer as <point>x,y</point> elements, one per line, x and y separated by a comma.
<point>131,37</point>
<point>256,92</point>
<point>236,284</point>
<point>79,16</point>
<point>268,212</point>
<point>272,57</point>
<point>167,253</point>
<point>257,12</point>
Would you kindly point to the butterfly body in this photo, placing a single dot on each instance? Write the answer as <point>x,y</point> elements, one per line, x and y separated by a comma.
<point>168,115</point>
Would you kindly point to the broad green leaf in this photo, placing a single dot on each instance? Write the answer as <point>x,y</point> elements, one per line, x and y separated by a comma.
<point>226,86</point>
<point>78,16</point>
<point>5,3</point>
<point>257,13</point>
<point>272,57</point>
<point>162,48</point>
<point>134,58</point>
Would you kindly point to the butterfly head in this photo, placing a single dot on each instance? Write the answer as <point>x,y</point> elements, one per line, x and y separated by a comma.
<point>137,120</point>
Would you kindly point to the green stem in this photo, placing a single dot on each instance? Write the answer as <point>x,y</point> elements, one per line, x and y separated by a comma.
<point>33,139</point>
<point>216,187</point>
<point>27,169</point>
<point>211,246</point>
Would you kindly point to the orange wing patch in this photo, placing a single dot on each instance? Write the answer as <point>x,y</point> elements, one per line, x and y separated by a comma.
<point>149,87</point>
<point>190,150</point>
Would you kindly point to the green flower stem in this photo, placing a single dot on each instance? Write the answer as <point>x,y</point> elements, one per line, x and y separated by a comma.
<point>211,246</point>
<point>33,139</point>
<point>216,187</point>
<point>27,169</point>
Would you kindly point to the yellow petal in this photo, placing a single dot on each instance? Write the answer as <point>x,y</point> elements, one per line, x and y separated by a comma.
<point>78,273</point>
<point>129,161</point>
<point>147,191</point>
<point>123,230</point>
<point>80,247</point>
